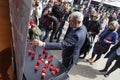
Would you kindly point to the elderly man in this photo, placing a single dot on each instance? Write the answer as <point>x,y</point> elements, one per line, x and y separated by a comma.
<point>72,42</point>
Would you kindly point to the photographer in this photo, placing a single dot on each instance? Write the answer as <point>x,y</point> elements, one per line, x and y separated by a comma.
<point>66,8</point>
<point>36,10</point>
<point>58,11</point>
<point>46,21</point>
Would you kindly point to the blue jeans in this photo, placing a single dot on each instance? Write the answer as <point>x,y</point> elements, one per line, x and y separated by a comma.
<point>112,57</point>
<point>45,33</point>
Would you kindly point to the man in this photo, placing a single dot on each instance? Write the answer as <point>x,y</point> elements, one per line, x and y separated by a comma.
<point>72,42</point>
<point>57,11</point>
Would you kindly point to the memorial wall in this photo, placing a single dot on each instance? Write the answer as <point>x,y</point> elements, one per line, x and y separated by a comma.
<point>19,18</point>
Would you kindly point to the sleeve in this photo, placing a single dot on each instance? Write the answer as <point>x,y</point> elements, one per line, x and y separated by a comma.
<point>112,37</point>
<point>62,45</point>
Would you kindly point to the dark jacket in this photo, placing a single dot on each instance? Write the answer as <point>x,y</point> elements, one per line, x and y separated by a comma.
<point>71,44</point>
<point>94,27</point>
<point>113,49</point>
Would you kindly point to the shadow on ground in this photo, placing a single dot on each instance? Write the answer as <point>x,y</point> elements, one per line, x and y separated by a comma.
<point>85,71</point>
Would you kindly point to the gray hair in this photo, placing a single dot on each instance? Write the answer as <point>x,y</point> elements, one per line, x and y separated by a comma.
<point>115,24</point>
<point>79,16</point>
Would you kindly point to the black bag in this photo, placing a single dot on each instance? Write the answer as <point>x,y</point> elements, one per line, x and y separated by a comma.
<point>86,46</point>
<point>101,48</point>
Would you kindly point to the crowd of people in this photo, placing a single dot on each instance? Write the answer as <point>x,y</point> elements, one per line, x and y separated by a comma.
<point>84,24</point>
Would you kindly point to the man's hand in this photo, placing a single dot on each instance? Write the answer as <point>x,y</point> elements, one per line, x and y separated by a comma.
<point>38,43</point>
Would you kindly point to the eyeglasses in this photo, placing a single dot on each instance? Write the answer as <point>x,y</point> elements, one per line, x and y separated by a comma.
<point>71,20</point>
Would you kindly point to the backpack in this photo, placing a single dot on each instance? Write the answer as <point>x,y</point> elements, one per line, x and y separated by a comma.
<point>58,11</point>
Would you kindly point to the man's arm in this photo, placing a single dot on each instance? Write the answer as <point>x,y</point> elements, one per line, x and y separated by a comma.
<point>57,46</point>
<point>62,45</point>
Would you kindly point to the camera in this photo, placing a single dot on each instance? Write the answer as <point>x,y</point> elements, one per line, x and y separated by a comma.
<point>36,4</point>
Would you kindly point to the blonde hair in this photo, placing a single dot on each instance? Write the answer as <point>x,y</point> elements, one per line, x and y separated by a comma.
<point>115,24</point>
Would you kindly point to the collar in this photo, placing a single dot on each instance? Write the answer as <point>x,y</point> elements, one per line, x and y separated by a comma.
<point>74,29</point>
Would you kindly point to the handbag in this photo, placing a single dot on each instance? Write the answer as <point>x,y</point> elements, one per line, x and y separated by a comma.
<point>101,48</point>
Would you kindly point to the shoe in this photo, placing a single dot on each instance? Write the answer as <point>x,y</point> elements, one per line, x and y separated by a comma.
<point>88,60</point>
<point>92,62</point>
<point>106,75</point>
<point>55,37</point>
<point>102,70</point>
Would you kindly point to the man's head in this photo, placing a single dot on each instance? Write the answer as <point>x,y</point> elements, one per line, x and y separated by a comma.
<point>75,19</point>
<point>59,2</point>
<point>95,16</point>
<point>81,8</point>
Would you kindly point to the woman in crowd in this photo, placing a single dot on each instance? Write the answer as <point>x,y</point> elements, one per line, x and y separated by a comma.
<point>93,26</point>
<point>104,21</point>
<point>106,38</point>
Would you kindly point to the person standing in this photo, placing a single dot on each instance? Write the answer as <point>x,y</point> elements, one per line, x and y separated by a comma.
<point>112,55</point>
<point>115,66</point>
<point>106,38</point>
<point>104,21</point>
<point>71,44</point>
<point>58,12</point>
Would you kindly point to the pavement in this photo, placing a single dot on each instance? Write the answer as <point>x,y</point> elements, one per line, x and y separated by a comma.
<point>84,70</point>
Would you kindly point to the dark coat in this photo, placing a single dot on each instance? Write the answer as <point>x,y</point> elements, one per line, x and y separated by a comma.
<point>94,27</point>
<point>112,49</point>
<point>71,44</point>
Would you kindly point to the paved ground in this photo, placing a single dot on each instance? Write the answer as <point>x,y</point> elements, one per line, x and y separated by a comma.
<point>85,71</point>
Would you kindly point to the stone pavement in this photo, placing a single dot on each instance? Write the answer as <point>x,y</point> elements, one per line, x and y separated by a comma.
<point>83,70</point>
